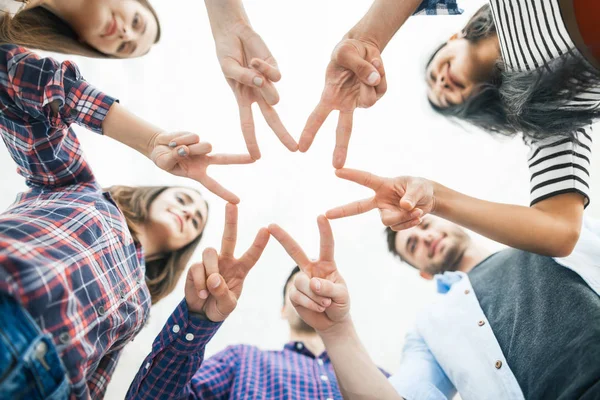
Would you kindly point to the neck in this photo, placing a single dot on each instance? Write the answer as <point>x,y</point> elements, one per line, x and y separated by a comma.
<point>488,51</point>
<point>473,256</point>
<point>67,10</point>
<point>150,250</point>
<point>311,340</point>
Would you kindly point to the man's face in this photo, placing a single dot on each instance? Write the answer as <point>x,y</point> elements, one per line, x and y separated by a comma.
<point>288,312</point>
<point>433,247</point>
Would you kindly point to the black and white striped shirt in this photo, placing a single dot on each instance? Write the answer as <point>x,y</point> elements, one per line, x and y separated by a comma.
<point>531,34</point>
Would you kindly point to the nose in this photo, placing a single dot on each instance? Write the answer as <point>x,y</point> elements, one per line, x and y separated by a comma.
<point>443,82</point>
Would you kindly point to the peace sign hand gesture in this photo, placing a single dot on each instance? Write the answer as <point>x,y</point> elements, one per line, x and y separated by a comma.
<point>319,293</point>
<point>213,287</point>
<point>401,201</point>
<point>182,154</point>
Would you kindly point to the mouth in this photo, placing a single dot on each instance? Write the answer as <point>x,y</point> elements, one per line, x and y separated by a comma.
<point>452,78</point>
<point>179,221</point>
<point>435,246</point>
<point>111,28</point>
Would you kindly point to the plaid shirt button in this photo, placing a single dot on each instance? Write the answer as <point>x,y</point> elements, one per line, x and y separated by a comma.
<point>176,328</point>
<point>73,112</point>
<point>189,337</point>
<point>101,311</point>
<point>320,362</point>
<point>324,378</point>
<point>299,346</point>
<point>64,338</point>
<point>122,295</point>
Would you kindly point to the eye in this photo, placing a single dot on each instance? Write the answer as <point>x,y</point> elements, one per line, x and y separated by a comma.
<point>180,200</point>
<point>121,48</point>
<point>413,246</point>
<point>195,223</point>
<point>426,225</point>
<point>136,20</point>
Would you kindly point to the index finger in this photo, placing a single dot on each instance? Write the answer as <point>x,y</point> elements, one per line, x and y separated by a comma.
<point>355,208</point>
<point>219,190</point>
<point>327,242</point>
<point>229,231</point>
<point>252,255</point>
<point>230,159</point>
<point>342,139</point>
<point>247,126</point>
<point>290,245</point>
<point>363,178</point>
<point>313,124</point>
<point>276,125</point>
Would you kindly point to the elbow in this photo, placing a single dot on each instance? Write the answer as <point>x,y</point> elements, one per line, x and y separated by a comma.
<point>567,240</point>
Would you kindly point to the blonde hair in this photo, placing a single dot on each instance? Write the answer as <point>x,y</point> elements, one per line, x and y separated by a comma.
<point>162,274</point>
<point>38,28</point>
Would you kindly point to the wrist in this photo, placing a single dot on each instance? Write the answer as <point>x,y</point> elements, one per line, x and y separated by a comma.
<point>440,199</point>
<point>339,330</point>
<point>364,36</point>
<point>226,15</point>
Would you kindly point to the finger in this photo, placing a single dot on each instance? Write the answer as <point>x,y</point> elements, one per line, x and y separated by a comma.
<point>381,88</point>
<point>390,217</point>
<point>229,231</point>
<point>363,178</point>
<point>256,46</point>
<point>252,255</point>
<point>219,190</point>
<point>327,242</point>
<point>347,56</point>
<point>406,225</point>
<point>276,125</point>
<point>290,245</point>
<point>168,160</point>
<point>302,300</point>
<point>313,124</point>
<point>302,284</point>
<point>342,139</point>
<point>226,300</point>
<point>413,195</point>
<point>210,259</point>
<point>337,292</point>
<point>199,149</point>
<point>178,139</point>
<point>269,93</point>
<point>246,76</point>
<point>378,64</point>
<point>269,71</point>
<point>230,159</point>
<point>198,277</point>
<point>367,96</point>
<point>247,125</point>
<point>350,209</point>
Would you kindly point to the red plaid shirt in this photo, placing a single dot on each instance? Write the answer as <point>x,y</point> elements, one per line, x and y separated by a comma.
<point>66,253</point>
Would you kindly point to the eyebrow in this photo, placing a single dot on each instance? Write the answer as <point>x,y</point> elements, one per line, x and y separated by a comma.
<point>407,244</point>
<point>189,199</point>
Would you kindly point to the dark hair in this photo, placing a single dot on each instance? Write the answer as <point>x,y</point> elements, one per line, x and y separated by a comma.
<point>520,101</point>
<point>38,28</point>
<point>162,274</point>
<point>391,243</point>
<point>294,272</point>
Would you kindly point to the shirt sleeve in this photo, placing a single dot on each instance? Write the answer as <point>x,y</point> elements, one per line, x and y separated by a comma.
<point>176,369</point>
<point>438,7</point>
<point>100,379</point>
<point>39,99</point>
<point>561,165</point>
<point>420,377</point>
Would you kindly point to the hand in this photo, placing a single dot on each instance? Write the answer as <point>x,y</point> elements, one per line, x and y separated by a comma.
<point>401,201</point>
<point>355,78</point>
<point>250,70</point>
<point>213,287</point>
<point>183,154</point>
<point>319,293</point>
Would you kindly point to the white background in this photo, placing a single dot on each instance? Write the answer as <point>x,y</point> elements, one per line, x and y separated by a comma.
<point>179,86</point>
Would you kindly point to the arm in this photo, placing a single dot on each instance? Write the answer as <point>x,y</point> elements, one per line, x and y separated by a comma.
<point>550,227</point>
<point>176,368</point>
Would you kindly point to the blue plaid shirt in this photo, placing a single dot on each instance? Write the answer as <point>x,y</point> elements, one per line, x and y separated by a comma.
<point>176,368</point>
<point>438,7</point>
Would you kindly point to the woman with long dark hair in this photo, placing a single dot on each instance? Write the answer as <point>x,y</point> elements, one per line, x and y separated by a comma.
<point>79,265</point>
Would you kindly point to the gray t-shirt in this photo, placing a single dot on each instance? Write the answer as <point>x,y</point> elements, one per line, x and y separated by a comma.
<point>547,322</point>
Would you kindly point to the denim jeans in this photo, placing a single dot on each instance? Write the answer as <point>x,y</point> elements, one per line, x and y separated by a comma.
<point>30,368</point>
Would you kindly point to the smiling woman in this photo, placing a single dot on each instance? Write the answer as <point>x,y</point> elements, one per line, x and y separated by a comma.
<point>93,28</point>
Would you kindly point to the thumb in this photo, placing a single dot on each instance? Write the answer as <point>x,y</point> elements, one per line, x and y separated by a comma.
<point>412,196</point>
<point>226,300</point>
<point>347,56</point>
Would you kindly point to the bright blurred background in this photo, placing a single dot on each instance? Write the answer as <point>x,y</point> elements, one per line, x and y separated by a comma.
<point>179,86</point>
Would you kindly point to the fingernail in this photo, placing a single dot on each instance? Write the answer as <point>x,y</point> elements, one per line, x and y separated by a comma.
<point>216,284</point>
<point>203,294</point>
<point>326,302</point>
<point>320,308</point>
<point>172,144</point>
<point>257,81</point>
<point>376,63</point>
<point>254,64</point>
<point>373,78</point>
<point>181,152</point>
<point>416,213</point>
<point>317,285</point>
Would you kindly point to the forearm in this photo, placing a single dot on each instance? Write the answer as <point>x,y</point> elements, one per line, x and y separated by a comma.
<point>552,230</point>
<point>225,14</point>
<point>129,129</point>
<point>383,20</point>
<point>358,377</point>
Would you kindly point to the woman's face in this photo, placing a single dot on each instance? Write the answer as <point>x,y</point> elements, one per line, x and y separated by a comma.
<point>455,72</point>
<point>176,217</point>
<point>120,28</point>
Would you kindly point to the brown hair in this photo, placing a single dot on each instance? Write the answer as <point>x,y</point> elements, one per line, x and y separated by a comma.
<point>161,274</point>
<point>38,28</point>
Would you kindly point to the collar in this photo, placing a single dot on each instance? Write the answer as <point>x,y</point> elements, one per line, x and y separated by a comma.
<point>299,347</point>
<point>445,281</point>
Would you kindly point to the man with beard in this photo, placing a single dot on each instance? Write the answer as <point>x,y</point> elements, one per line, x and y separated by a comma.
<point>302,370</point>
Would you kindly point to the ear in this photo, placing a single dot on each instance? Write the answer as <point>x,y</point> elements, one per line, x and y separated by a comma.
<point>425,275</point>
<point>458,35</point>
<point>283,316</point>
